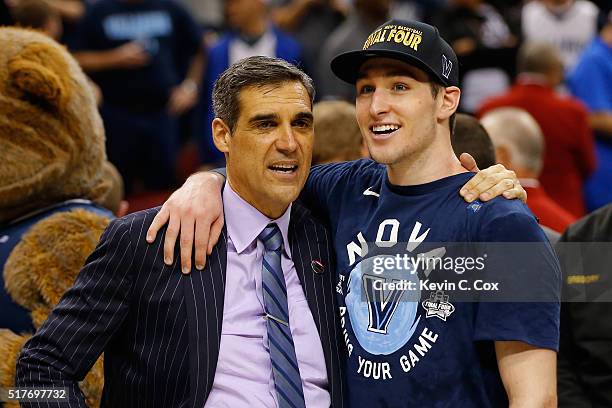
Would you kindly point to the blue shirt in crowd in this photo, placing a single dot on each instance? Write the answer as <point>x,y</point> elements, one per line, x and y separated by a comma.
<point>591,82</point>
<point>417,348</point>
<point>591,79</point>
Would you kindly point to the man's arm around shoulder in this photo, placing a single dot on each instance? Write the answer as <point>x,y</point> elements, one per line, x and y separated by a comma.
<point>66,346</point>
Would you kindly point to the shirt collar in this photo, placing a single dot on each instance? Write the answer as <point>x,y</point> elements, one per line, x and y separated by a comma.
<point>244,222</point>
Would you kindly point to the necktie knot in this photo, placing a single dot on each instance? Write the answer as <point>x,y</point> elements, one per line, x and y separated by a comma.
<point>272,238</point>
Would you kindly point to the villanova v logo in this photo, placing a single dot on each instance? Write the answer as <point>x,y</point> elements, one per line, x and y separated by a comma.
<point>447,66</point>
<point>383,320</point>
<point>381,308</point>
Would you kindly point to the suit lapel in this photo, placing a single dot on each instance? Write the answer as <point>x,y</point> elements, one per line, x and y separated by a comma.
<point>308,244</point>
<point>204,293</point>
<point>303,266</point>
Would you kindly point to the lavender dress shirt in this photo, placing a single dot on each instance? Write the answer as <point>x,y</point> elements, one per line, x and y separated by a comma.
<point>244,372</point>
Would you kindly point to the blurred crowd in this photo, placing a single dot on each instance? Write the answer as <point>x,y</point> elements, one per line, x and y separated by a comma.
<point>153,63</point>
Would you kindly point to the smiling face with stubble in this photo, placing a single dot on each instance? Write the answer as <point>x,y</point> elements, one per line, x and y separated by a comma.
<point>395,110</point>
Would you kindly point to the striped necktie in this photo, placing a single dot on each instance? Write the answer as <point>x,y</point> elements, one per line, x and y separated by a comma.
<point>287,380</point>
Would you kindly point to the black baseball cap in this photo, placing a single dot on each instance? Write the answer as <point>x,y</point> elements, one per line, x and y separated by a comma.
<point>416,43</point>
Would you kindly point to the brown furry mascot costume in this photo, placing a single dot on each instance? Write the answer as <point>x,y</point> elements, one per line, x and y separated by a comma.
<point>54,179</point>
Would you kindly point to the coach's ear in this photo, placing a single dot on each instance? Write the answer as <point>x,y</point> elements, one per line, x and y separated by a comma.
<point>221,135</point>
<point>449,102</point>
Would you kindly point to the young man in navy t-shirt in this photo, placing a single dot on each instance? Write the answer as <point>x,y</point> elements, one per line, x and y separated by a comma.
<point>434,346</point>
<point>418,347</point>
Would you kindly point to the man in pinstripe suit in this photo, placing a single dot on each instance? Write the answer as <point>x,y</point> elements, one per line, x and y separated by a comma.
<point>243,338</point>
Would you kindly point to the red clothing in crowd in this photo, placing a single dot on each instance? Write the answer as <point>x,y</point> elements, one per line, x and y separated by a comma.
<point>569,155</point>
<point>548,212</point>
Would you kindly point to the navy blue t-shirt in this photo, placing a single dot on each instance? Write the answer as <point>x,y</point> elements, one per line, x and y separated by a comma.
<point>408,349</point>
<point>167,32</point>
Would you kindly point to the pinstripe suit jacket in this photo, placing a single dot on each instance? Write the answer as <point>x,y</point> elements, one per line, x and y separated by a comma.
<point>159,329</point>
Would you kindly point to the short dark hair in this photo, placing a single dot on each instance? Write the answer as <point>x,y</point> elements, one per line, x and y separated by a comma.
<point>471,137</point>
<point>436,87</point>
<point>254,71</point>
